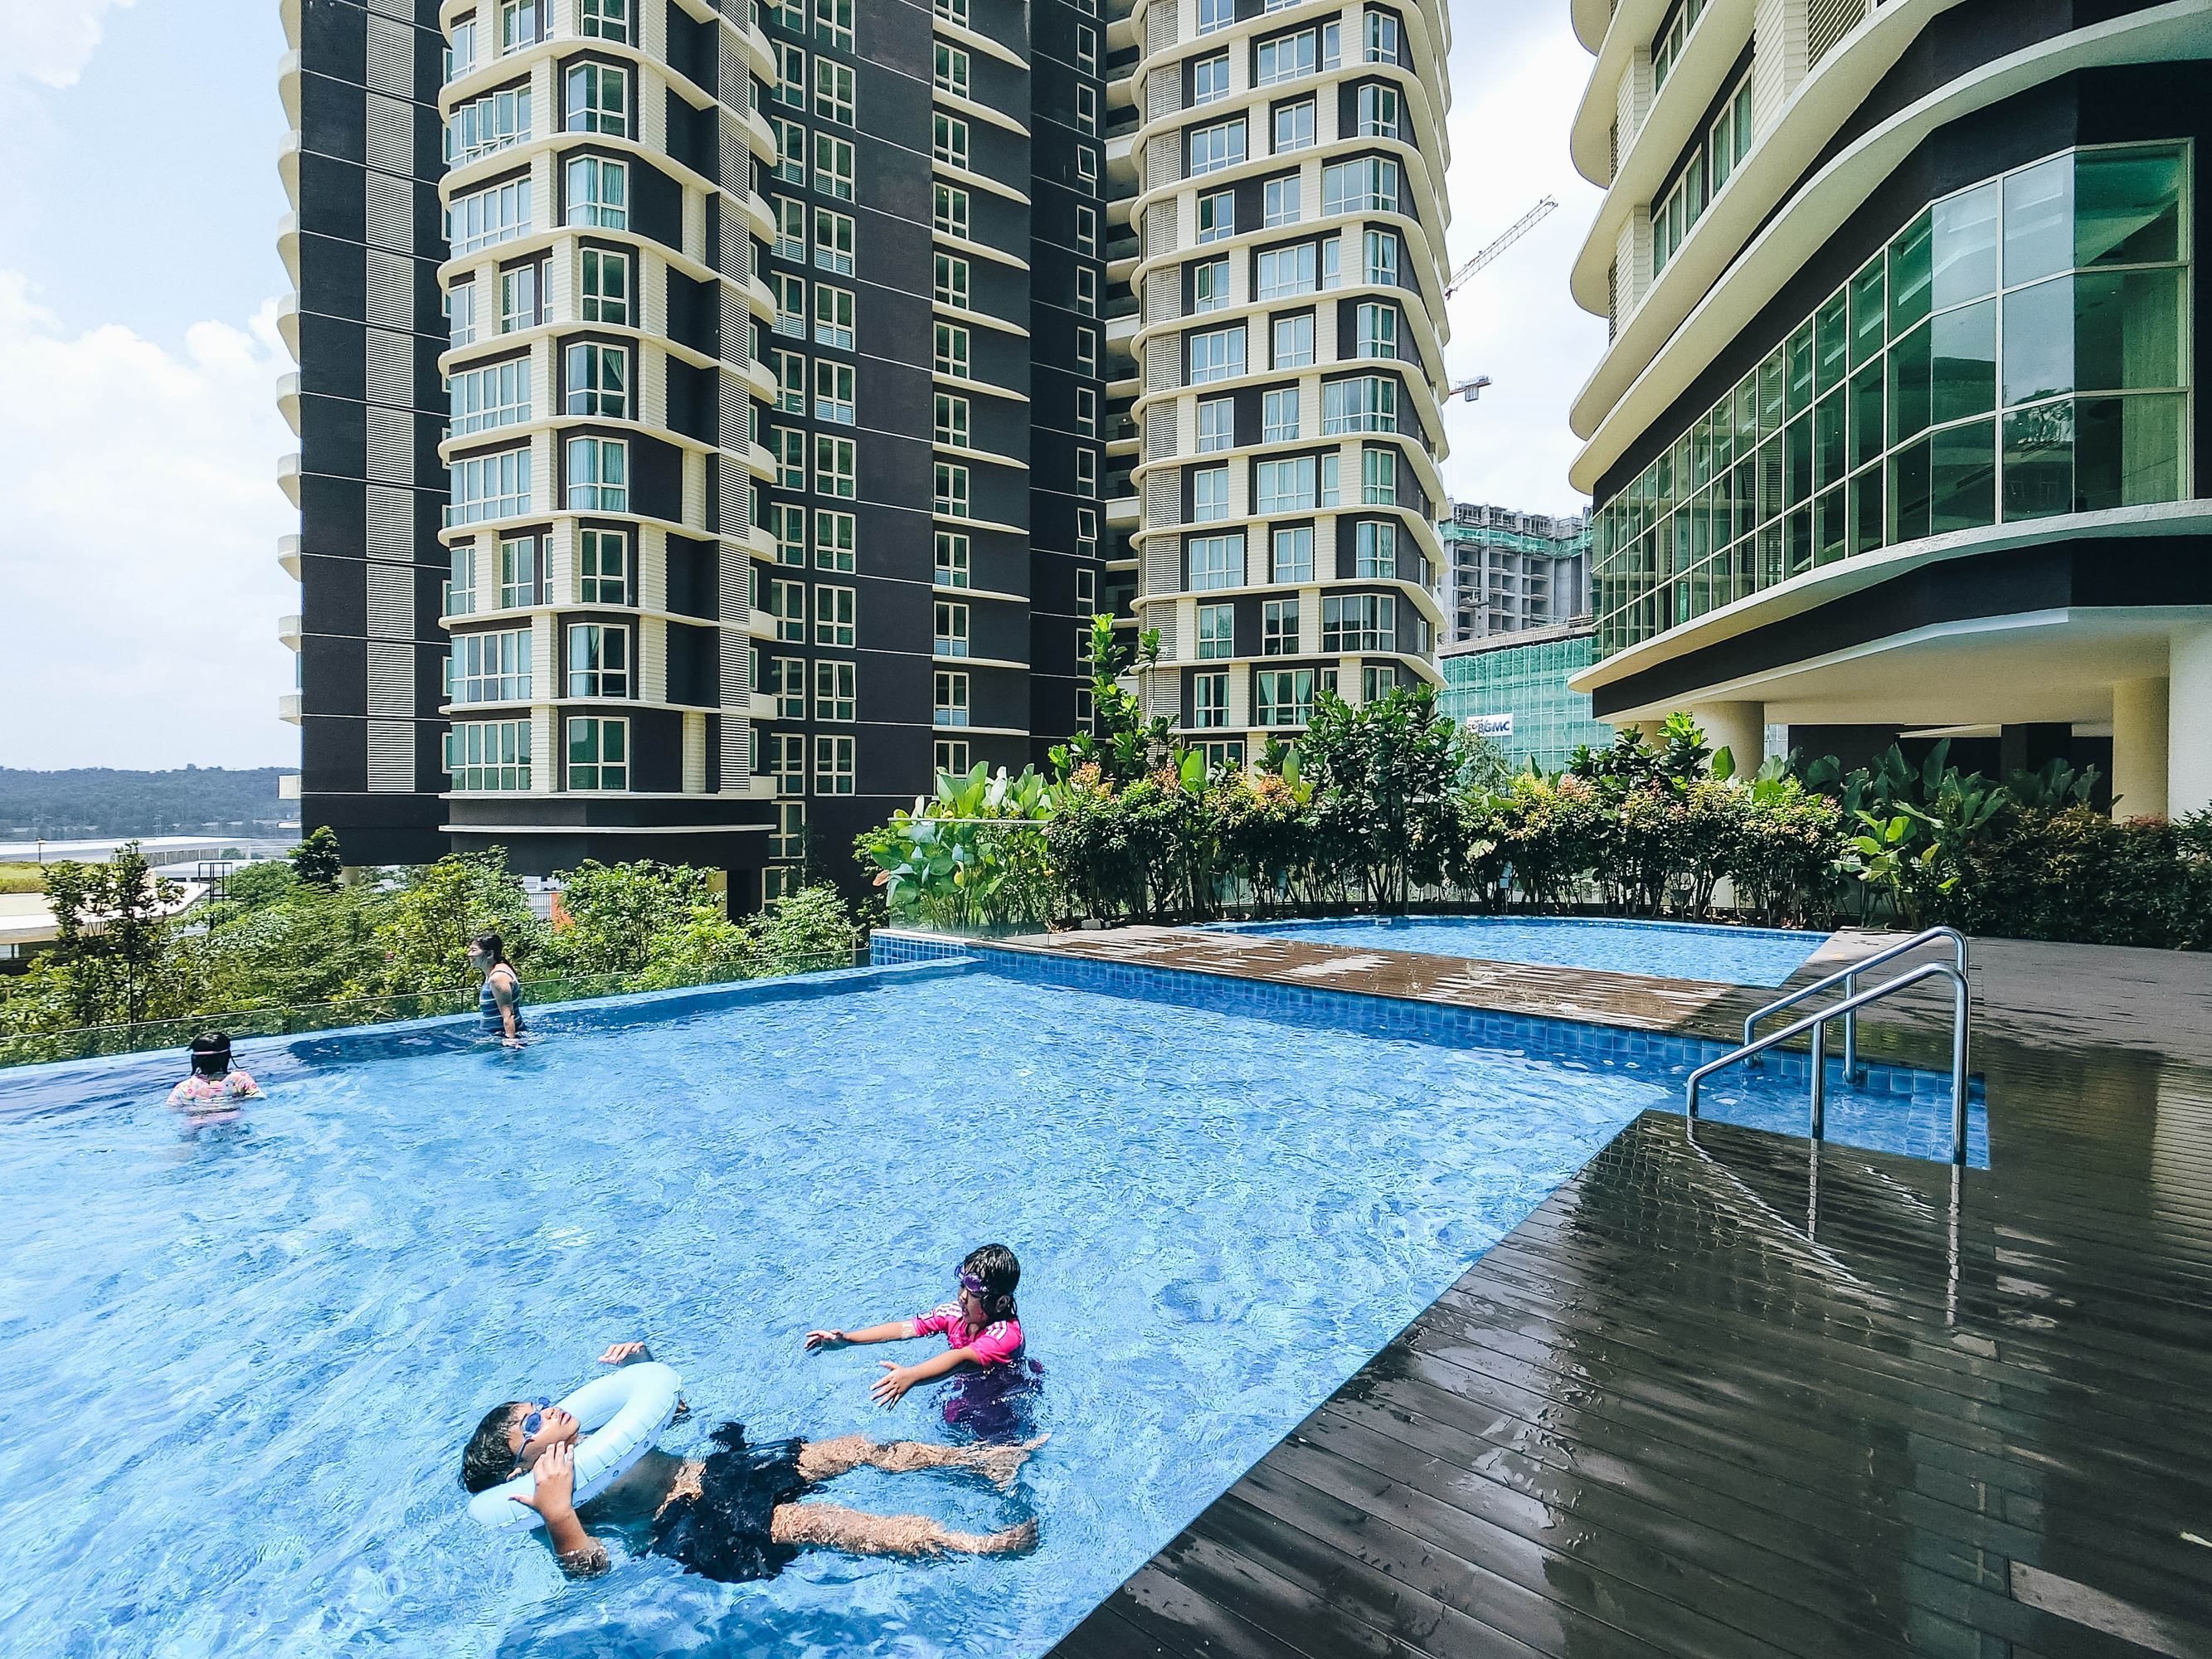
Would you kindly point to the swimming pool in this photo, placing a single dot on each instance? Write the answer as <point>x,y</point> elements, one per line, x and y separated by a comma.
<point>237,1369</point>
<point>1664,950</point>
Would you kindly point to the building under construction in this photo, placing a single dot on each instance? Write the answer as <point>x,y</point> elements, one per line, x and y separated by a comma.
<point>1512,571</point>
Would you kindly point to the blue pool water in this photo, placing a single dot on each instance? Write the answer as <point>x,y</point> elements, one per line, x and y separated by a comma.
<point>1664,950</point>
<point>237,1369</point>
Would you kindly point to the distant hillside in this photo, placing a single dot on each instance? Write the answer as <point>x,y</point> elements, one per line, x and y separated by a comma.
<point>96,801</point>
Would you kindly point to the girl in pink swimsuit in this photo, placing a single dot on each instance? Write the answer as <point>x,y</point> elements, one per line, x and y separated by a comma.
<point>981,1329</point>
<point>213,1088</point>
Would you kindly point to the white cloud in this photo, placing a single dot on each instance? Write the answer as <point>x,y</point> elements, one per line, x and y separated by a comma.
<point>138,550</point>
<point>1516,81</point>
<point>50,42</point>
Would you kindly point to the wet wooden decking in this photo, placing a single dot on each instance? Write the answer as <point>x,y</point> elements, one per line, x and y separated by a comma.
<point>1719,1396</point>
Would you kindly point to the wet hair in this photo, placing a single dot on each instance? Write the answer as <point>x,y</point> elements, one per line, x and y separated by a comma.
<point>995,1266</point>
<point>488,1459</point>
<point>211,1053</point>
<point>492,947</point>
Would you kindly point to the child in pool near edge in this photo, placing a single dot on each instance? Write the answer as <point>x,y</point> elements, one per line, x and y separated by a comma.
<point>214,1085</point>
<point>982,1332</point>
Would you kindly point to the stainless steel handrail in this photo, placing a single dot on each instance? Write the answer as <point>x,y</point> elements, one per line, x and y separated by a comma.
<point>1848,978</point>
<point>1817,1024</point>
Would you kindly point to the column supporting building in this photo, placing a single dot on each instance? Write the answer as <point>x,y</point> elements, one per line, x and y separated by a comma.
<point>2140,748</point>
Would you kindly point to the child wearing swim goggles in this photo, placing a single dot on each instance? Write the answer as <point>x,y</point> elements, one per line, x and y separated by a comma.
<point>981,1327</point>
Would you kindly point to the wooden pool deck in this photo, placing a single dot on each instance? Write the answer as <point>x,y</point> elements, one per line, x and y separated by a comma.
<point>1721,1396</point>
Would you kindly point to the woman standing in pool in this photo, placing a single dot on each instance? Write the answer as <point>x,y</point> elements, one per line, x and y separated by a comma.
<point>500,997</point>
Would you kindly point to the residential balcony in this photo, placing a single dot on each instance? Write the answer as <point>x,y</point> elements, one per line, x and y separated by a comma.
<point>288,399</point>
<point>287,554</point>
<point>287,476</point>
<point>289,631</point>
<point>288,708</point>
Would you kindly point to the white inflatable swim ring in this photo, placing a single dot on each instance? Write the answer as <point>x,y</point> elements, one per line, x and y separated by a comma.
<point>621,1414</point>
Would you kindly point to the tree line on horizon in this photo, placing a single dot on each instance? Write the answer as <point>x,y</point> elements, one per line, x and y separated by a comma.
<point>89,802</point>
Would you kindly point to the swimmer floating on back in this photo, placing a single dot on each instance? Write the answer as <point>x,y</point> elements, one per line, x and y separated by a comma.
<point>981,1326</point>
<point>213,1087</point>
<point>735,1514</point>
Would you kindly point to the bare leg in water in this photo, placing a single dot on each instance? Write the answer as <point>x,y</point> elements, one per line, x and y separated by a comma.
<point>832,1526</point>
<point>825,1460</point>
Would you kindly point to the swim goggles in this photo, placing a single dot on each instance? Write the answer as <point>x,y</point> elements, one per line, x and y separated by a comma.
<point>536,1420</point>
<point>969,1282</point>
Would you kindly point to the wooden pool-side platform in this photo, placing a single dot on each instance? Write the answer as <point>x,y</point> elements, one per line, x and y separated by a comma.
<point>1720,1396</point>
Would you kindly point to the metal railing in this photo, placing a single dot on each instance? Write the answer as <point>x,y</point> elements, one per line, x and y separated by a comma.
<point>1815,1026</point>
<point>1849,979</point>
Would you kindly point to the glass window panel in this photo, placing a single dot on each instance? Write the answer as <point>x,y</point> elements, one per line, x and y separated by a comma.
<point>1801,370</point>
<point>2128,452</point>
<point>1962,478</point>
<point>1801,541</point>
<point>1908,492</point>
<point>1832,527</point>
<point>2039,342</point>
<point>1746,504</point>
<point>1909,386</point>
<point>2127,331</point>
<point>1867,313</point>
<point>1828,440</point>
<point>1867,523</point>
<point>1744,416</point>
<point>2038,220</point>
<point>1866,414</point>
<point>1965,253</point>
<point>1771,373</point>
<point>2038,461</point>
<point>2127,206</point>
<point>1964,368</point>
<point>1909,277</point>
<point>1832,336</point>
<point>1797,458</point>
<point>1770,478</point>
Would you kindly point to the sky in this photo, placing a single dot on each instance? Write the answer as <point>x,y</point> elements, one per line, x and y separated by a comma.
<point>139,515</point>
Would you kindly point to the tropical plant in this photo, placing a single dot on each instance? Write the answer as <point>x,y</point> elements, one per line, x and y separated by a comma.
<point>316,859</point>
<point>624,918</point>
<point>426,925</point>
<point>1384,774</point>
<point>972,855</point>
<point>112,923</point>
<point>1123,742</point>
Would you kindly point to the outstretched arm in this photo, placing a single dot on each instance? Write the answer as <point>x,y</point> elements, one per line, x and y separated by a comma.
<point>900,1330</point>
<point>897,1379</point>
<point>553,1495</point>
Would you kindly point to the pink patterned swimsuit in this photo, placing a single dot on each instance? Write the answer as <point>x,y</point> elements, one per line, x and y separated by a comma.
<point>999,1343</point>
<point>201,1093</point>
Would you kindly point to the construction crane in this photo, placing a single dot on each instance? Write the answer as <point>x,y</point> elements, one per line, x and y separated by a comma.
<point>1471,390</point>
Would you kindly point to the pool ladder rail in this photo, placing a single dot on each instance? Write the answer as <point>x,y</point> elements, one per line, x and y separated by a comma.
<point>1815,1026</point>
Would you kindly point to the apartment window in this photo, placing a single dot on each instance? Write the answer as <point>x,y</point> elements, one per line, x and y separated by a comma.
<point>951,699</point>
<point>834,697</point>
<point>461,48</point>
<point>948,284</point>
<point>834,541</point>
<point>1086,48</point>
<point>1215,14</point>
<point>604,293</point>
<point>518,24</point>
<point>790,215</point>
<point>1285,58</point>
<point>1086,290</point>
<point>603,567</point>
<point>833,615</point>
<point>1087,167</point>
<point>787,524</point>
<point>605,20</point>
<point>833,316</point>
<point>952,757</point>
<point>790,303</point>
<point>833,91</point>
<point>1209,701</point>
<point>1086,473</point>
<point>1379,263</point>
<point>519,289</point>
<point>1377,681</point>
<point>1215,562</point>
<point>951,421</point>
<point>1281,271</point>
<point>1294,342</point>
<point>951,499</point>
<point>599,380</point>
<point>1217,424</point>
<point>833,766</point>
<point>949,68</point>
<point>951,628</point>
<point>1730,140</point>
<point>1294,126</point>
<point>598,660</point>
<point>1378,477</point>
<point>1217,626</point>
<point>1382,38</point>
<point>1216,216</point>
<point>1087,590</point>
<point>461,315</point>
<point>1358,622</point>
<point>835,466</point>
<point>833,391</point>
<point>952,11</point>
<point>488,486</point>
<point>833,23</point>
<point>951,350</point>
<point>1209,285</point>
<point>1082,643</point>
<point>833,167</point>
<point>1285,486</point>
<point>1369,403</point>
<point>517,572</point>
<point>790,370</point>
<point>1378,112</point>
<point>790,150</point>
<point>598,100</point>
<point>1087,228</point>
<point>491,667</point>
<point>1209,79</point>
<point>790,76</point>
<point>1217,354</point>
<point>953,556</point>
<point>1086,411</point>
<point>1086,532</point>
<point>1280,197</point>
<point>785,839</point>
<point>1377,548</point>
<point>599,475</point>
<point>1293,555</point>
<point>833,241</point>
<point>1278,416</point>
<point>1667,49</point>
<point>483,126</point>
<point>1368,185</point>
<point>948,210</point>
<point>1283,695</point>
<point>784,761</point>
<point>1278,627</point>
<point>598,192</point>
<point>1085,706</point>
<point>490,754</point>
<point>461,584</point>
<point>787,444</point>
<point>1376,333</point>
<point>1087,109</point>
<point>948,139</point>
<point>786,684</point>
<point>1209,489</point>
<point>486,217</point>
<point>1213,147</point>
<point>496,395</point>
